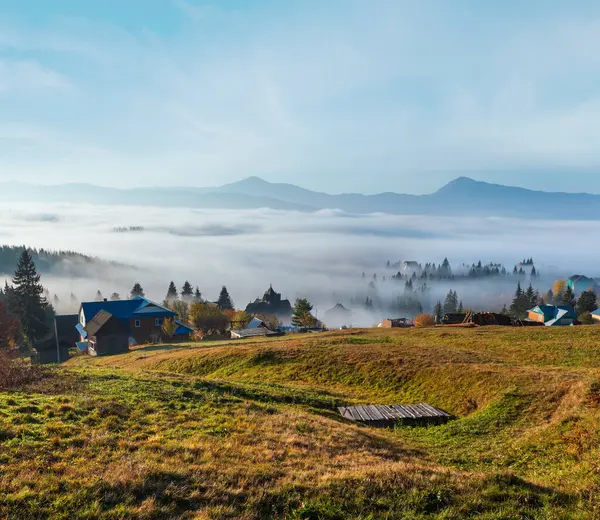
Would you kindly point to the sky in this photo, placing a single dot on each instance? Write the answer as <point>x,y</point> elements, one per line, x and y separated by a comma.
<point>337,96</point>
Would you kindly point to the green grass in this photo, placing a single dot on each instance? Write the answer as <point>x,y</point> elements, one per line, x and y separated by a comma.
<point>250,429</point>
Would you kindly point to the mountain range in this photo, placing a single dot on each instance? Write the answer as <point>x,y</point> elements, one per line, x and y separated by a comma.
<point>461,197</point>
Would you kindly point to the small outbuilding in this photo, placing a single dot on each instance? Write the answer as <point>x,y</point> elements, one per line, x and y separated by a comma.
<point>107,334</point>
<point>396,323</point>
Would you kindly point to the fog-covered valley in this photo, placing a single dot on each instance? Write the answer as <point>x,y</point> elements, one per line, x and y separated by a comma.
<point>319,255</point>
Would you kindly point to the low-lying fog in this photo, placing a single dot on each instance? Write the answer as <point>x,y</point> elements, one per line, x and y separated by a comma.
<point>320,255</point>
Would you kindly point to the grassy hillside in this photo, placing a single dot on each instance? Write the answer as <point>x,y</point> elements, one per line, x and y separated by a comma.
<point>250,430</point>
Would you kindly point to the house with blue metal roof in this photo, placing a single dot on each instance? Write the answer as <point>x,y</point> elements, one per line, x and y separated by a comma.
<point>142,317</point>
<point>580,283</point>
<point>553,315</point>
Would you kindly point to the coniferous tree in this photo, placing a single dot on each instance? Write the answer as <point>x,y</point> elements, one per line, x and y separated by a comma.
<point>172,292</point>
<point>115,296</point>
<point>74,300</point>
<point>504,310</point>
<point>533,272</point>
<point>30,306</point>
<point>187,292</point>
<point>438,311</point>
<point>99,296</point>
<point>549,297</point>
<point>451,302</point>
<point>520,304</point>
<point>137,290</point>
<point>224,302</point>
<point>302,316</point>
<point>56,301</point>
<point>531,296</point>
<point>568,297</point>
<point>587,302</point>
<point>460,307</point>
<point>197,295</point>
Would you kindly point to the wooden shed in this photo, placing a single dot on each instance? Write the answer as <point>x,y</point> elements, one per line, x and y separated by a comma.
<point>107,335</point>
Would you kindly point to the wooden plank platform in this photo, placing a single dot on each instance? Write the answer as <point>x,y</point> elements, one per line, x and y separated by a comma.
<point>383,415</point>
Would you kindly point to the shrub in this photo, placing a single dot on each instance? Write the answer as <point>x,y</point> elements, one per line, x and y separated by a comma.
<point>16,372</point>
<point>424,320</point>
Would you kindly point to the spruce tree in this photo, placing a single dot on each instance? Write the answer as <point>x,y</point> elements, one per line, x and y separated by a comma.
<point>99,296</point>
<point>587,302</point>
<point>460,307</point>
<point>137,291</point>
<point>187,292</point>
<point>451,302</point>
<point>568,297</point>
<point>197,295</point>
<point>171,292</point>
<point>115,296</point>
<point>29,304</point>
<point>302,316</point>
<point>531,297</point>
<point>520,304</point>
<point>224,302</point>
<point>437,312</point>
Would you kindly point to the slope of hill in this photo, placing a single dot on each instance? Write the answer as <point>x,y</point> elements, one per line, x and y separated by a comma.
<point>250,430</point>
<point>461,197</point>
<point>66,263</point>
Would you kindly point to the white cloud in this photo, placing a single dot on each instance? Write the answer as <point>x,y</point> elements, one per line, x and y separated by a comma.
<point>29,75</point>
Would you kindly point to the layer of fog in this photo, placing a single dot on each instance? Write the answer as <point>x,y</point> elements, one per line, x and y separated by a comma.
<point>320,255</point>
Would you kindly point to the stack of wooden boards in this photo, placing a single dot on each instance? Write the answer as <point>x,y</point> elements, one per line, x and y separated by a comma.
<point>391,415</point>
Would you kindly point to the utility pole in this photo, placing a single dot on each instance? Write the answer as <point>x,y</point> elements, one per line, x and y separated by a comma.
<point>56,337</point>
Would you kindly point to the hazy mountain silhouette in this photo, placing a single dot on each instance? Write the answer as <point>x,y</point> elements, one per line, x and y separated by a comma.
<point>461,197</point>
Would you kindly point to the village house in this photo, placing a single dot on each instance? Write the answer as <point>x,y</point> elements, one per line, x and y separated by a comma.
<point>272,303</point>
<point>54,347</point>
<point>143,318</point>
<point>338,316</point>
<point>107,334</point>
<point>552,315</point>
<point>580,283</point>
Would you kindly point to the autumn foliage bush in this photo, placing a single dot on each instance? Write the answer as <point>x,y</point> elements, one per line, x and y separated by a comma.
<point>424,320</point>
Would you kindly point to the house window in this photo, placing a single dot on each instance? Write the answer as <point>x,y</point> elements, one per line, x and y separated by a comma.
<point>158,322</point>
<point>137,324</point>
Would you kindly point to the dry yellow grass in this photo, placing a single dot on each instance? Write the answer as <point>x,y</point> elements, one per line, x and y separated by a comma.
<point>250,430</point>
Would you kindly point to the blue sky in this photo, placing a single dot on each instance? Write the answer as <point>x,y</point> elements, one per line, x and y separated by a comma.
<point>343,95</point>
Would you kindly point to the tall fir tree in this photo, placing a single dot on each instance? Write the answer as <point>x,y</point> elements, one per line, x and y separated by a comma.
<point>520,303</point>
<point>187,292</point>
<point>197,295</point>
<point>451,302</point>
<point>99,296</point>
<point>587,302</point>
<point>568,297</point>
<point>172,292</point>
<point>30,307</point>
<point>115,296</point>
<point>137,290</point>
<point>224,302</point>
<point>531,296</point>
<point>438,311</point>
